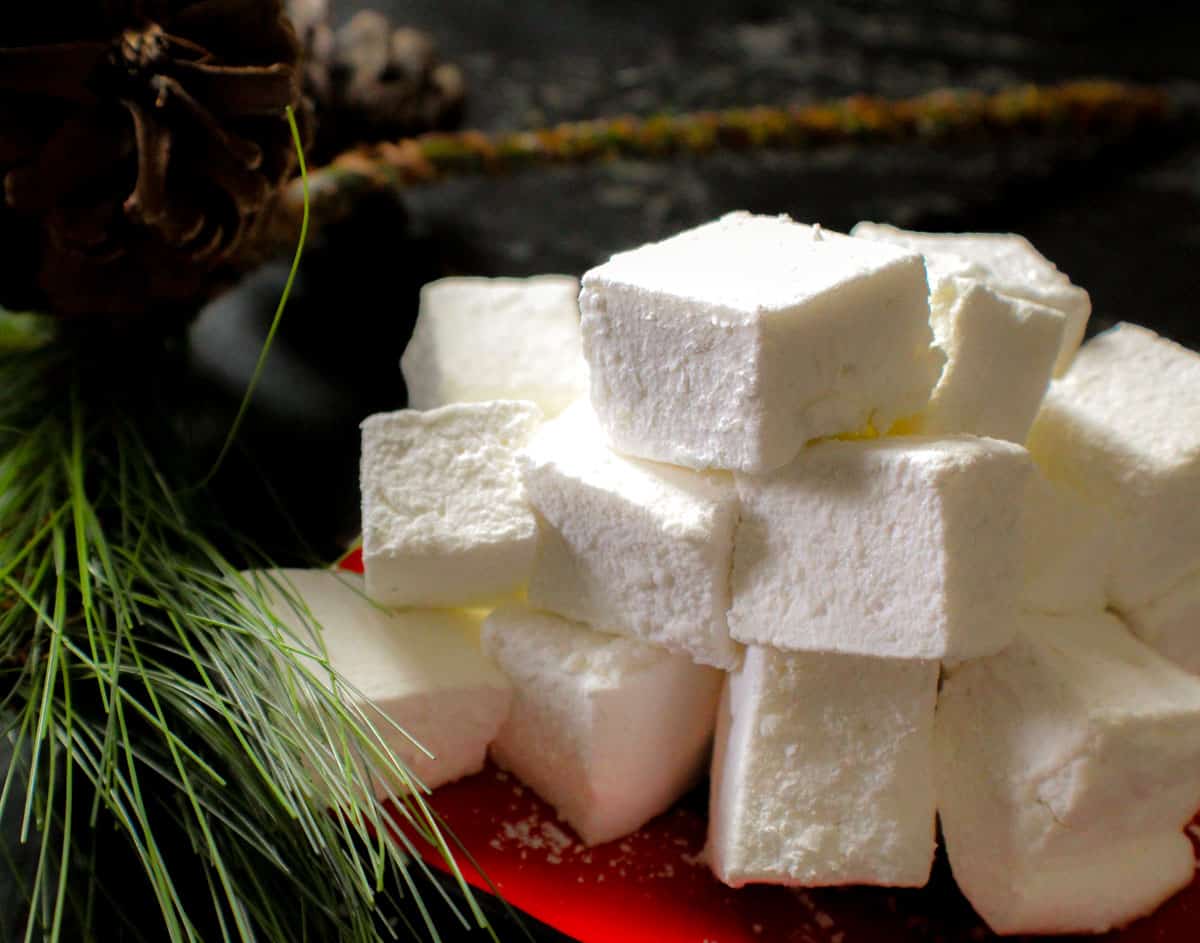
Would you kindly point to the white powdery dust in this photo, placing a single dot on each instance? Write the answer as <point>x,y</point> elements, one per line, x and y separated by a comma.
<point>696,861</point>
<point>533,834</point>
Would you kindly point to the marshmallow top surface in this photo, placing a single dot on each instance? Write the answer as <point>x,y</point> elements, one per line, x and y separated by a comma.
<point>421,670</point>
<point>1138,393</point>
<point>533,643</point>
<point>941,454</point>
<point>1104,670</point>
<point>574,445</point>
<point>497,338</point>
<point>1001,353</point>
<point>383,655</point>
<point>731,345</point>
<point>749,266</point>
<point>446,478</point>
<point>1006,262</point>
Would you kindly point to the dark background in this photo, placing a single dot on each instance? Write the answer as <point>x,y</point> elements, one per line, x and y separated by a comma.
<point>1124,222</point>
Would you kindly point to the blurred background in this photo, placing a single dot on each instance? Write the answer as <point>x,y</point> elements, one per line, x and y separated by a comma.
<point>1122,220</point>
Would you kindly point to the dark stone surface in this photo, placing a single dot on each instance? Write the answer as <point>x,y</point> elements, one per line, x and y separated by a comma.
<point>527,64</point>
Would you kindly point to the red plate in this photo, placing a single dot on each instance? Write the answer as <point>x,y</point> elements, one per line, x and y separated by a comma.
<point>653,887</point>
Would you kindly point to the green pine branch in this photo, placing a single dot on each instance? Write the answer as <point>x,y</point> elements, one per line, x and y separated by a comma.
<point>148,688</point>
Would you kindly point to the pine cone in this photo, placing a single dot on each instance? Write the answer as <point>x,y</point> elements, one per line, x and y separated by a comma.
<point>308,16</point>
<point>373,82</point>
<point>143,142</point>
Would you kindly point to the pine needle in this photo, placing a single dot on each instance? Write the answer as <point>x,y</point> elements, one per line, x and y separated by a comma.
<point>236,426</point>
<point>151,689</point>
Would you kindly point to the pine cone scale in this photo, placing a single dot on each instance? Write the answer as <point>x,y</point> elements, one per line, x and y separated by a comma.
<point>240,91</point>
<point>246,152</point>
<point>59,173</point>
<point>84,232</point>
<point>184,50</point>
<point>143,148</point>
<point>147,204</point>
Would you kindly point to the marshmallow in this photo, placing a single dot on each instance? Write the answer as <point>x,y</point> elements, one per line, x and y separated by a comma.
<point>1170,624</point>
<point>1000,355</point>
<point>608,730</point>
<point>1006,263</point>
<point>445,520</point>
<point>823,771</point>
<point>417,669</point>
<point>900,547</point>
<point>730,345</point>
<point>1123,429</point>
<point>1066,550</point>
<point>630,546</point>
<point>1067,767</point>
<point>480,339</point>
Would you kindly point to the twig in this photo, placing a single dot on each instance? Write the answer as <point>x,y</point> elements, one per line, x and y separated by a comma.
<point>1095,107</point>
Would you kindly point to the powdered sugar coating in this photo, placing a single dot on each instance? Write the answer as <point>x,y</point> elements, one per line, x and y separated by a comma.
<point>479,339</point>
<point>732,344</point>
<point>609,730</point>
<point>630,546</point>
<point>823,771</point>
<point>1122,429</point>
<point>906,547</point>
<point>1067,767</point>
<point>1005,262</point>
<point>445,518</point>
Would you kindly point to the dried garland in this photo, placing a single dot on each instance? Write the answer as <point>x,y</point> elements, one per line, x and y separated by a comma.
<point>1096,107</point>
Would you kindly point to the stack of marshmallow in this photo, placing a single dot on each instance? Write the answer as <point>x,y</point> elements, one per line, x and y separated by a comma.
<point>799,507</point>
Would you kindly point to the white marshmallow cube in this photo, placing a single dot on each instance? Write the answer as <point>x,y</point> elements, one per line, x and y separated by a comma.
<point>479,339</point>
<point>901,547</point>
<point>1000,355</point>
<point>1005,262</point>
<point>416,670</point>
<point>608,730</point>
<point>1170,624</point>
<point>1123,430</point>
<point>1067,548</point>
<point>629,546</point>
<point>823,771</point>
<point>732,344</point>
<point>445,520</point>
<point>1067,768</point>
